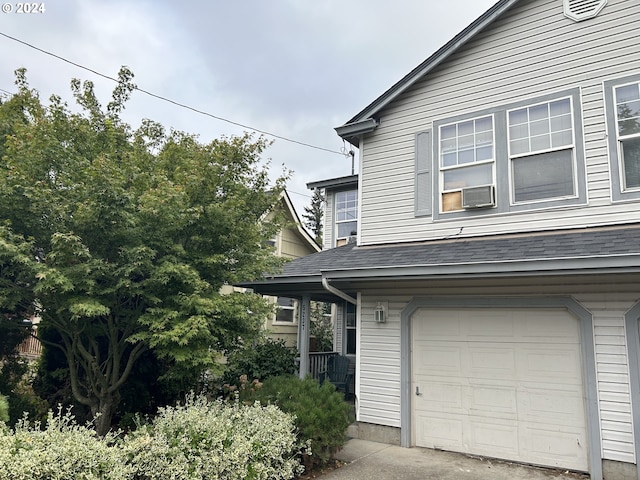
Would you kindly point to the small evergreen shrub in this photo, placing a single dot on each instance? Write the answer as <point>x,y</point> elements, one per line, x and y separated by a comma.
<point>216,440</point>
<point>321,414</point>
<point>61,451</point>
<point>270,358</point>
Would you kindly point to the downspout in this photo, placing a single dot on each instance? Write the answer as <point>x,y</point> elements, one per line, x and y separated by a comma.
<point>338,293</point>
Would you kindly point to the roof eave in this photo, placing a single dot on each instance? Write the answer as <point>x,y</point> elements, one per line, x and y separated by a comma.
<point>340,182</point>
<point>352,131</point>
<point>629,263</point>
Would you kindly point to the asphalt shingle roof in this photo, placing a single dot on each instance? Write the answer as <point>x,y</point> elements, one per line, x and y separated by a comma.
<point>584,243</point>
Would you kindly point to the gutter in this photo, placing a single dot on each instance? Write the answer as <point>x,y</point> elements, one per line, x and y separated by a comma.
<point>339,293</point>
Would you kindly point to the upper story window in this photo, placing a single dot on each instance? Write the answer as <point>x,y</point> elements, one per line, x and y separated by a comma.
<point>623,128</point>
<point>466,159</point>
<point>346,215</point>
<point>516,157</point>
<point>541,151</point>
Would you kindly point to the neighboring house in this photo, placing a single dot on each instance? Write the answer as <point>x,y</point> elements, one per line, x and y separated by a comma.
<point>496,274</point>
<point>292,242</point>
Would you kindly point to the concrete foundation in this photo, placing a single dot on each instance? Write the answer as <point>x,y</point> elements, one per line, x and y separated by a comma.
<point>612,470</point>
<point>375,433</point>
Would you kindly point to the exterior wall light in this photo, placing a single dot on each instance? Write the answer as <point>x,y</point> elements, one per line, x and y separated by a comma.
<point>380,313</point>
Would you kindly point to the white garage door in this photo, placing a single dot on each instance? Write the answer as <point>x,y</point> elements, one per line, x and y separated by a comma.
<point>502,383</point>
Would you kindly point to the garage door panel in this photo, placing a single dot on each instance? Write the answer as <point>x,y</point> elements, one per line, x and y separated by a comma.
<point>549,326</point>
<point>508,384</point>
<point>441,431</point>
<point>494,402</point>
<point>441,397</point>
<point>555,448</point>
<point>498,438</point>
<point>550,365</point>
<point>481,325</point>
<point>491,361</point>
<point>443,358</point>
<point>427,329</point>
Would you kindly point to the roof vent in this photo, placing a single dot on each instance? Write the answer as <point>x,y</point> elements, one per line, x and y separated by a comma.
<point>578,10</point>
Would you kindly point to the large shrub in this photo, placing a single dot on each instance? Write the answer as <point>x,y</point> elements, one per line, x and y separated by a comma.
<point>216,440</point>
<point>321,414</point>
<point>62,450</point>
<point>4,409</point>
<point>270,358</point>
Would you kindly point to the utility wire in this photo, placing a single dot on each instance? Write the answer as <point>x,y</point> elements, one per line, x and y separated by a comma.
<point>165,99</point>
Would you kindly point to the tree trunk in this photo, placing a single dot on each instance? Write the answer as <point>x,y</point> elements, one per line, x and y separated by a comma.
<point>103,412</point>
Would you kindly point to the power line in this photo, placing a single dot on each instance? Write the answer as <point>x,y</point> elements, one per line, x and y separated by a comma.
<point>165,99</point>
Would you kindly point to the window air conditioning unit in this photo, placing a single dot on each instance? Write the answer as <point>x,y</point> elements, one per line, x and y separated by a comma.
<point>478,197</point>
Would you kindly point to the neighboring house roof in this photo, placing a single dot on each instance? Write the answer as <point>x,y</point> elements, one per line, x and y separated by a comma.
<point>589,250</point>
<point>286,201</point>
<point>365,121</point>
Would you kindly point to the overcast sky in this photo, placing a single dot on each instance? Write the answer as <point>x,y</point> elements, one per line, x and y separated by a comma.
<point>295,68</point>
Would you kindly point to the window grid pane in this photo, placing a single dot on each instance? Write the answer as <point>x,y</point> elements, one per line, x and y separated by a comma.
<point>537,128</point>
<point>466,142</point>
<point>628,110</point>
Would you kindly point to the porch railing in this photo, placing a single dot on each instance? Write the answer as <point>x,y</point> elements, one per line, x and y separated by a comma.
<point>318,362</point>
<point>30,348</point>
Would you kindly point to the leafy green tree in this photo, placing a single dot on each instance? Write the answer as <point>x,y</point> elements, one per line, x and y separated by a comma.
<point>313,215</point>
<point>130,235</point>
<point>322,326</point>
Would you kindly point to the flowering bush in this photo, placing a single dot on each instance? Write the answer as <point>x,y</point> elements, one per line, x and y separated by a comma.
<point>61,451</point>
<point>216,440</point>
<point>199,440</point>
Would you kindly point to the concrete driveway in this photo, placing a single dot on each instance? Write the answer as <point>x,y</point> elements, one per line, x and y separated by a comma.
<point>377,461</point>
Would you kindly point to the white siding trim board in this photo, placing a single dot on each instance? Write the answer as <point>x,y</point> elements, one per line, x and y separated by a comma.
<point>631,320</point>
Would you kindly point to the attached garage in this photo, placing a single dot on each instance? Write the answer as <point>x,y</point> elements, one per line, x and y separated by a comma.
<point>500,382</point>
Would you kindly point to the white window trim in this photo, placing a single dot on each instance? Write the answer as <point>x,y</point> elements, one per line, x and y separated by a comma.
<point>572,147</point>
<point>293,308</point>
<point>338,222</point>
<point>442,169</point>
<point>620,139</point>
<point>618,192</point>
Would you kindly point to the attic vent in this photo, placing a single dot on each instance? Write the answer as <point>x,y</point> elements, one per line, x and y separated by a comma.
<point>578,10</point>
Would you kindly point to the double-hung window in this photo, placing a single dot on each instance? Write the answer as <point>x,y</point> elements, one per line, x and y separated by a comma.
<point>541,151</point>
<point>521,156</point>
<point>628,132</point>
<point>346,215</point>
<point>466,159</point>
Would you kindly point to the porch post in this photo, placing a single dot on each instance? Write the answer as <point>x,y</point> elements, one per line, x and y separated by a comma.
<point>304,328</point>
